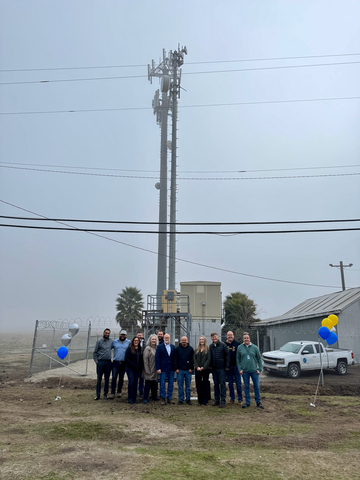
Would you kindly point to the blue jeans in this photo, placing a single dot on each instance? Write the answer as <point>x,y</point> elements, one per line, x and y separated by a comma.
<point>181,376</point>
<point>118,371</point>
<point>170,378</point>
<point>219,377</point>
<point>141,386</point>
<point>255,380</point>
<point>233,375</point>
<point>133,379</point>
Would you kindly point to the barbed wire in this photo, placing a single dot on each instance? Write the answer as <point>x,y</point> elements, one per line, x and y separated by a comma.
<point>64,324</point>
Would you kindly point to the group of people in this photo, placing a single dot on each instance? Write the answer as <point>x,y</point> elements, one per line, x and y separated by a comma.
<point>156,363</point>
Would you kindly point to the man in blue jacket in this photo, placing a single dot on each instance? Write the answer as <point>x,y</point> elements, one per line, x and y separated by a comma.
<point>164,362</point>
<point>118,366</point>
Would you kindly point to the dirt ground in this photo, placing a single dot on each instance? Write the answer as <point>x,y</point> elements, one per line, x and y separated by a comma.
<point>77,438</point>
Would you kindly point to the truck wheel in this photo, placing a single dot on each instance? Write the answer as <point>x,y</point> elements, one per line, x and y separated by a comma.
<point>341,367</point>
<point>293,371</point>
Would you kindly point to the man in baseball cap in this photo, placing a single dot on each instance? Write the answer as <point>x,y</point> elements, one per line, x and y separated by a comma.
<point>118,369</point>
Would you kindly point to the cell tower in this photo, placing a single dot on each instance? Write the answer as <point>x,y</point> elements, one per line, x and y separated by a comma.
<point>169,73</point>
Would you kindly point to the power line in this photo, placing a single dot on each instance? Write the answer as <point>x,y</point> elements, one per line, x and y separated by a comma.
<point>182,171</point>
<point>278,67</point>
<point>183,260</point>
<point>179,178</point>
<point>188,63</point>
<point>262,232</point>
<point>27,82</point>
<point>286,222</point>
<point>79,111</point>
<point>276,58</point>
<point>91,110</point>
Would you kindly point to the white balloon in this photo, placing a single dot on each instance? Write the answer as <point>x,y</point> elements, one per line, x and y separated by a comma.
<point>73,329</point>
<point>66,339</point>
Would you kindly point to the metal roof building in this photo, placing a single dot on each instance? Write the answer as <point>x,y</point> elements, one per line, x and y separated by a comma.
<point>303,321</point>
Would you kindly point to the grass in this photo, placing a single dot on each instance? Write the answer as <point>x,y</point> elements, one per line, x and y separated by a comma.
<point>347,444</point>
<point>81,431</point>
<point>78,438</point>
<point>53,476</point>
<point>341,401</point>
<point>202,465</point>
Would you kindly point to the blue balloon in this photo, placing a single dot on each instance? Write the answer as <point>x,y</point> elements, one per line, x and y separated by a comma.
<point>62,352</point>
<point>332,338</point>
<point>324,333</point>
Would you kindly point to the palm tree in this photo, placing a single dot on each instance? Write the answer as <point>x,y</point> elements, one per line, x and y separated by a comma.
<point>129,304</point>
<point>240,313</point>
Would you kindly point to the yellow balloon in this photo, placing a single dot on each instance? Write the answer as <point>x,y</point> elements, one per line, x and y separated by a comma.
<point>333,319</point>
<point>327,323</point>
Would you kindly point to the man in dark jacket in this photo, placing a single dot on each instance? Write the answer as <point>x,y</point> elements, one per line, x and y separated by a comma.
<point>184,364</point>
<point>160,336</point>
<point>220,361</point>
<point>164,362</point>
<point>233,374</point>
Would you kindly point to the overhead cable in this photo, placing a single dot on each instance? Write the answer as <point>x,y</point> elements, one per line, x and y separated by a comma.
<point>188,63</point>
<point>181,171</point>
<point>181,259</point>
<point>180,178</point>
<point>179,232</point>
<point>278,67</point>
<point>127,222</point>
<point>92,110</point>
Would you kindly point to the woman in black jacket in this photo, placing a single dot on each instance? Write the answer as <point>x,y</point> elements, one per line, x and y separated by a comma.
<point>202,360</point>
<point>134,368</point>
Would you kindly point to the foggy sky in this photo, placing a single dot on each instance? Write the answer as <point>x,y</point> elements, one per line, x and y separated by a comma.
<point>48,275</point>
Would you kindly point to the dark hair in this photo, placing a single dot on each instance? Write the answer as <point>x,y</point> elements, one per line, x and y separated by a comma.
<point>132,344</point>
<point>214,333</point>
<point>107,330</point>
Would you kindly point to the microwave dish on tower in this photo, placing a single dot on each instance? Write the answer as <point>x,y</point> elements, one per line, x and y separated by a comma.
<point>165,83</point>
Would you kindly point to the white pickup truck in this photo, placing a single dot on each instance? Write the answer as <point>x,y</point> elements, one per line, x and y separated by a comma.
<point>295,357</point>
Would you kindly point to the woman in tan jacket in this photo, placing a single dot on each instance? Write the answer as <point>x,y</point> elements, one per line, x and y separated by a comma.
<point>149,373</point>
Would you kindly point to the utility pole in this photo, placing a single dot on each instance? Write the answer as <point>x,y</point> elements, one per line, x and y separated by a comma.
<point>341,266</point>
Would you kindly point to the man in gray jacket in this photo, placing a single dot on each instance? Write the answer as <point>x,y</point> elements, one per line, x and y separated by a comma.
<point>102,358</point>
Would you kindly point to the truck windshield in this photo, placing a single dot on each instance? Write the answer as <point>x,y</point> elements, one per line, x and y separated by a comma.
<point>291,347</point>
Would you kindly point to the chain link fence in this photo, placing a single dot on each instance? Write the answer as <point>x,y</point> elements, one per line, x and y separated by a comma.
<point>47,340</point>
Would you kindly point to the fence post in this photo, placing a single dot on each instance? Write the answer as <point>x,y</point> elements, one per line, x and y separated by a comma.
<point>52,345</point>
<point>33,347</point>
<point>87,348</point>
